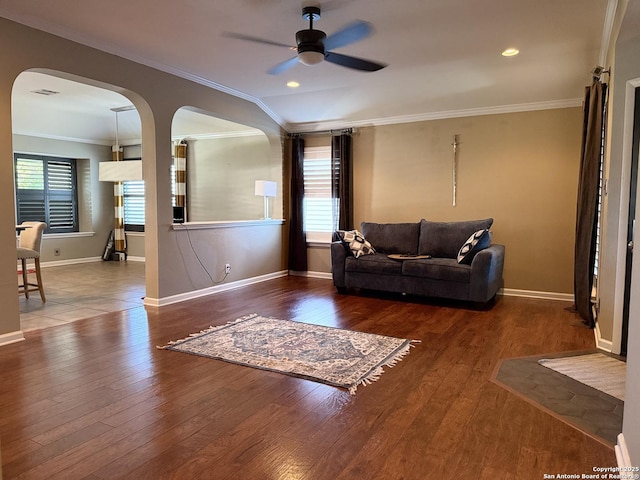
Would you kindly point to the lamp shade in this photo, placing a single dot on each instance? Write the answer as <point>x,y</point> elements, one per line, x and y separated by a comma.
<point>120,171</point>
<point>265,188</point>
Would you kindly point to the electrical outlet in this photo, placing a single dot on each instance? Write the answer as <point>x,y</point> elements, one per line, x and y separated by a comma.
<point>56,252</point>
<point>227,268</point>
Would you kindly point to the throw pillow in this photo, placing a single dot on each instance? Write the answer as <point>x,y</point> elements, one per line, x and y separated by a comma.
<point>356,242</point>
<point>476,242</point>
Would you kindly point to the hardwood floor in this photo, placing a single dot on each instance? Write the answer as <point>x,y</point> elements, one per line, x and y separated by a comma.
<point>95,399</point>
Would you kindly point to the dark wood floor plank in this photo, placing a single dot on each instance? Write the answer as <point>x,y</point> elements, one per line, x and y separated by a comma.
<point>96,399</point>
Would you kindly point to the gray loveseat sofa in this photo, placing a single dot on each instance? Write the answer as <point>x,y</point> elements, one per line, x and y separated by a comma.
<point>473,274</point>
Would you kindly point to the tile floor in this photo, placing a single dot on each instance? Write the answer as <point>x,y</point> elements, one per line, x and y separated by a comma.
<point>584,407</point>
<point>74,292</point>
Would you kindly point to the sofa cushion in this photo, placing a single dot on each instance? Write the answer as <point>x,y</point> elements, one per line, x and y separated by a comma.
<point>378,264</point>
<point>443,239</point>
<point>476,242</point>
<point>393,237</point>
<point>447,269</point>
<point>358,245</point>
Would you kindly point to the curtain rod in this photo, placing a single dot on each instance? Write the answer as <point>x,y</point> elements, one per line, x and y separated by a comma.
<point>599,70</point>
<point>342,131</point>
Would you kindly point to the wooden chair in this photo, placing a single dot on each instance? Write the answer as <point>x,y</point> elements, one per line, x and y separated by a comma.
<point>29,249</point>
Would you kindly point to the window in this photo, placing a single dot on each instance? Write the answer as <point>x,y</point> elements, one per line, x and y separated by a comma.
<point>317,204</point>
<point>133,199</point>
<point>599,213</point>
<point>46,191</point>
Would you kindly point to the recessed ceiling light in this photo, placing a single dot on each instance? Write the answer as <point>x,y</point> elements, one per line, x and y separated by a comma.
<point>293,84</point>
<point>510,52</point>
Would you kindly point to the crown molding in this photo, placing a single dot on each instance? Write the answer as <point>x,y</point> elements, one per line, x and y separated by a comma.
<point>307,126</point>
<point>607,31</point>
<point>210,136</point>
<point>138,141</point>
<point>421,117</point>
<point>110,48</point>
<point>91,141</point>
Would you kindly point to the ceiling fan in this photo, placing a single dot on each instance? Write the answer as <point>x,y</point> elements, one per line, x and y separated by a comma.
<point>314,46</point>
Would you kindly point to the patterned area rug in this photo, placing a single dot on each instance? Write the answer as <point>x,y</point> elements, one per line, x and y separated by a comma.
<point>597,370</point>
<point>333,356</point>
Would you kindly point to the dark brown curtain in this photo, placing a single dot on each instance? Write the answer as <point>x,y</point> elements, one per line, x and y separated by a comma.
<point>297,237</point>
<point>588,191</point>
<point>341,181</point>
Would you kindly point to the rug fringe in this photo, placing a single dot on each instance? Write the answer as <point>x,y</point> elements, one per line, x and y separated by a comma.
<point>391,362</point>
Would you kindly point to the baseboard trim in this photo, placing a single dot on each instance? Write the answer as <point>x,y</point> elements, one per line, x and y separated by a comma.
<point>622,455</point>
<point>183,297</point>
<point>513,292</point>
<point>507,292</point>
<point>77,261</point>
<point>601,343</point>
<point>70,261</point>
<point>323,275</point>
<point>135,259</point>
<point>11,337</point>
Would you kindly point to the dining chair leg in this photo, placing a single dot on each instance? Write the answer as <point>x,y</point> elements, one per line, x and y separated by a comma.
<point>39,280</point>
<point>25,278</point>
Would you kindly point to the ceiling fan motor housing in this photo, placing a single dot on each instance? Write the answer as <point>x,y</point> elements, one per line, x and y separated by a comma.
<point>310,46</point>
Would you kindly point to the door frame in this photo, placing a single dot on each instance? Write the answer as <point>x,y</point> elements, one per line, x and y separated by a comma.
<point>631,221</point>
<point>623,214</point>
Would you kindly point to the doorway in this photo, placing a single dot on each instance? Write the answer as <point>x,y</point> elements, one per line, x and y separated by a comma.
<point>631,220</point>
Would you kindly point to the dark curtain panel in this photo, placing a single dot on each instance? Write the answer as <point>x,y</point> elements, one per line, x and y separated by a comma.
<point>341,182</point>
<point>588,190</point>
<point>297,237</point>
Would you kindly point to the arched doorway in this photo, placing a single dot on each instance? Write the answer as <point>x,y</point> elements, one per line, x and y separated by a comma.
<point>57,119</point>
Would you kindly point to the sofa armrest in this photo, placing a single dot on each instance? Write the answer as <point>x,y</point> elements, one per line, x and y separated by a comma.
<point>338,257</point>
<point>486,273</point>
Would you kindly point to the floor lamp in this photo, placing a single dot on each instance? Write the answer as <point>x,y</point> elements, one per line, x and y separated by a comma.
<point>119,171</point>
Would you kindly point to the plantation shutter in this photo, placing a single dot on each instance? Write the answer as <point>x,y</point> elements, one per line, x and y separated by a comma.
<point>61,199</point>
<point>30,190</point>
<point>317,193</point>
<point>46,192</point>
<point>134,205</point>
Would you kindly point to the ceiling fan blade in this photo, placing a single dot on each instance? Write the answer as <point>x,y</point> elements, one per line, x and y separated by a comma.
<point>351,33</point>
<point>353,62</point>
<point>284,66</point>
<point>241,36</point>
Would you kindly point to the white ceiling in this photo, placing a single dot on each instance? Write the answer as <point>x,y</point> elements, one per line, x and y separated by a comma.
<point>443,56</point>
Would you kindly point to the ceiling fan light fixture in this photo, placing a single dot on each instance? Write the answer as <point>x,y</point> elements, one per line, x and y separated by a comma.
<point>313,46</point>
<point>310,57</point>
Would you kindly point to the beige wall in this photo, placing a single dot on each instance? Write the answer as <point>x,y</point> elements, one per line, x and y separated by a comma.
<point>221,178</point>
<point>157,96</point>
<point>520,168</point>
<point>318,259</point>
